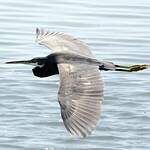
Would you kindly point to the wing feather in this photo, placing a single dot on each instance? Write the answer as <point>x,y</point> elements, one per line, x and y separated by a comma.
<point>61,42</point>
<point>81,87</point>
<point>81,99</point>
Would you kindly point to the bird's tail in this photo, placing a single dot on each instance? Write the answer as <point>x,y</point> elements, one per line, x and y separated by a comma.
<point>133,68</point>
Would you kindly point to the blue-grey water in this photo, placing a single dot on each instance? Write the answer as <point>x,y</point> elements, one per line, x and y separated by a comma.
<point>116,30</point>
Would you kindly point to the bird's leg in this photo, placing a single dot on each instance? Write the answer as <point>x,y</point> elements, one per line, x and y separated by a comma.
<point>132,68</point>
<point>112,67</point>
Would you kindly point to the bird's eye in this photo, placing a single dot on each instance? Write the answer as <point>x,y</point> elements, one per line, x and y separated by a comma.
<point>34,60</point>
<point>40,63</point>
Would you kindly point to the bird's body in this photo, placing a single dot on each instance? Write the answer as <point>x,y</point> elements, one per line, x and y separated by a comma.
<point>81,87</point>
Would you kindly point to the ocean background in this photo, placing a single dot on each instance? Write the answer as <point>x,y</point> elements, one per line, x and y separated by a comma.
<point>115,30</point>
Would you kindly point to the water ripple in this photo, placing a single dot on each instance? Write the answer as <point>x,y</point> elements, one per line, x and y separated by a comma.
<point>116,31</point>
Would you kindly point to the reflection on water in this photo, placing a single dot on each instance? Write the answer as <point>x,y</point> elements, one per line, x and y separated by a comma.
<point>117,31</point>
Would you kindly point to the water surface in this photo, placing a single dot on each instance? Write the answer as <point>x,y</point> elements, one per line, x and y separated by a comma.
<point>116,30</point>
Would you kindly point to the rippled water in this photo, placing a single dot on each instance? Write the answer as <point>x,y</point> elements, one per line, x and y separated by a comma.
<point>116,30</point>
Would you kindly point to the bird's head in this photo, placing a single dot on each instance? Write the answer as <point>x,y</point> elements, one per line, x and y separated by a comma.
<point>38,62</point>
<point>42,66</point>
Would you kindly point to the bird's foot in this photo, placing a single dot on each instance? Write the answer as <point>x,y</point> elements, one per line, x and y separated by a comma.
<point>138,67</point>
<point>133,68</point>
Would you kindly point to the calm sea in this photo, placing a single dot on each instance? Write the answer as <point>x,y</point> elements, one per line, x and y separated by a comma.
<point>116,30</point>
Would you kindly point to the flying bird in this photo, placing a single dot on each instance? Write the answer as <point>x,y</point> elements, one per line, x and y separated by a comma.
<point>80,92</point>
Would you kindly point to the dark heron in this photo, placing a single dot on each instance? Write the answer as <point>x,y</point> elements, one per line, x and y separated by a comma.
<point>81,87</point>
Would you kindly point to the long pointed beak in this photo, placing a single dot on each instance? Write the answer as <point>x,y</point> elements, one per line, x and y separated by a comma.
<point>19,62</point>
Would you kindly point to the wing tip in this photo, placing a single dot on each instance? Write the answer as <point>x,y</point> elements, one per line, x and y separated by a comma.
<point>40,33</point>
<point>80,133</point>
<point>37,31</point>
<point>79,129</point>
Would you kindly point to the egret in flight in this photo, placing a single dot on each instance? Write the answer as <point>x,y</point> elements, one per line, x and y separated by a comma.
<point>81,87</point>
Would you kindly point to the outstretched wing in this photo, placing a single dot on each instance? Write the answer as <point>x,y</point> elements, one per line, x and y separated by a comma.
<point>81,87</point>
<point>80,97</point>
<point>61,42</point>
